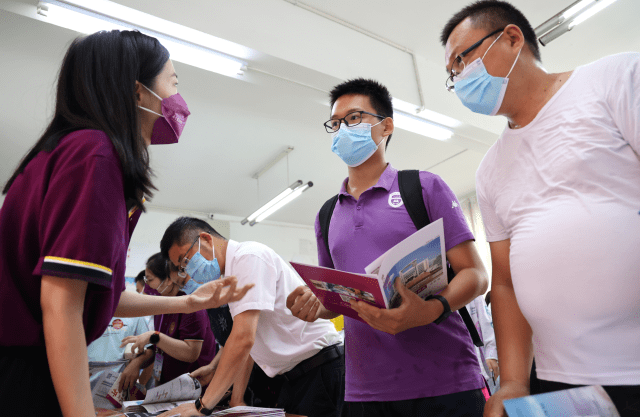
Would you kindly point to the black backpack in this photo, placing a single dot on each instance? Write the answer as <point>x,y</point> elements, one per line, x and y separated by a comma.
<point>411,193</point>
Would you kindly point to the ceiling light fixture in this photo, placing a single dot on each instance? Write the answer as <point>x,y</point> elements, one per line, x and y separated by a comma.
<point>421,126</point>
<point>289,194</point>
<point>568,18</point>
<point>184,44</point>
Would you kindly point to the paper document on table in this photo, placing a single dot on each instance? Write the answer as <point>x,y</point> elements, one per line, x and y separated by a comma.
<point>575,402</point>
<point>181,388</point>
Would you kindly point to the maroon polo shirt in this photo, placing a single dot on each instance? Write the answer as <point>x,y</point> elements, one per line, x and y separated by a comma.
<point>193,326</point>
<point>64,216</point>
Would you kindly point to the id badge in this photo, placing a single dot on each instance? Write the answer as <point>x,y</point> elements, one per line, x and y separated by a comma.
<point>157,365</point>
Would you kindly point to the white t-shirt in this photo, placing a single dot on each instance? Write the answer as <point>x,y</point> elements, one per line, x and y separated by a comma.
<point>566,190</point>
<point>282,340</point>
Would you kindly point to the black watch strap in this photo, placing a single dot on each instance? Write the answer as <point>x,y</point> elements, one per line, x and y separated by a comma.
<point>201,409</point>
<point>447,309</point>
<point>154,338</point>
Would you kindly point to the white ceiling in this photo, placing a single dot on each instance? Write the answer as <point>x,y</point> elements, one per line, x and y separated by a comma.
<point>238,125</point>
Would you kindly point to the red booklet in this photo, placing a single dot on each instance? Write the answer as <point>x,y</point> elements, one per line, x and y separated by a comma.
<point>335,288</point>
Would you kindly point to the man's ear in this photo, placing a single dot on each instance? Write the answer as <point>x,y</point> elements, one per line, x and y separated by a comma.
<point>388,126</point>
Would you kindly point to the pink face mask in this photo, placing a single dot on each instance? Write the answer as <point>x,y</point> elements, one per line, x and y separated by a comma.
<point>168,128</point>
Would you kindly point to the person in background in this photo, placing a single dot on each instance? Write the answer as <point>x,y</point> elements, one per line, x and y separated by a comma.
<point>139,281</point>
<point>182,342</point>
<point>487,354</point>
<point>70,208</point>
<point>559,194</point>
<point>386,370</point>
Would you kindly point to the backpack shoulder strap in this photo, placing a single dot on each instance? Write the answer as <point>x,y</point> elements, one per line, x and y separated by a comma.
<point>411,193</point>
<point>325,218</point>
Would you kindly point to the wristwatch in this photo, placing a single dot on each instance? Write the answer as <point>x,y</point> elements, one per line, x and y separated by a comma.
<point>154,338</point>
<point>201,409</point>
<point>447,309</point>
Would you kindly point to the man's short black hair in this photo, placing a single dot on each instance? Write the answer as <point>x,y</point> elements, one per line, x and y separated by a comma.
<point>139,277</point>
<point>379,96</point>
<point>493,15</point>
<point>185,230</point>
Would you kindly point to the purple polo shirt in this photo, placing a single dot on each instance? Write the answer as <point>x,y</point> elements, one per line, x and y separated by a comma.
<point>194,326</point>
<point>421,362</point>
<point>64,216</point>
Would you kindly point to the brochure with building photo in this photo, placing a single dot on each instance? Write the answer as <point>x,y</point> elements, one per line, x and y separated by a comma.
<point>580,402</point>
<point>419,262</point>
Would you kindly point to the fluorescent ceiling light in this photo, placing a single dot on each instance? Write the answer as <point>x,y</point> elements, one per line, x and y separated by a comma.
<point>421,126</point>
<point>296,193</point>
<point>183,46</point>
<point>567,19</point>
<point>576,9</point>
<point>272,202</point>
<point>601,4</point>
<point>430,115</point>
<point>276,203</point>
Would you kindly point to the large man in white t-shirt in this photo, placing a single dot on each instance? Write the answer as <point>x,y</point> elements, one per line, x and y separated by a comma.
<point>308,356</point>
<point>560,198</point>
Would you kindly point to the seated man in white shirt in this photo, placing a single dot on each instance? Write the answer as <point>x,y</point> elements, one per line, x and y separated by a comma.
<point>308,356</point>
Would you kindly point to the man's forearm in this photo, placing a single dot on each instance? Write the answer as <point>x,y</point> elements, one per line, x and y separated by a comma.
<point>233,357</point>
<point>240,384</point>
<point>467,285</point>
<point>138,305</point>
<point>513,336</point>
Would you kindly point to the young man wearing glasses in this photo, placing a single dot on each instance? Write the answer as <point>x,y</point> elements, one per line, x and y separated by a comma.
<point>560,198</point>
<point>398,363</point>
<point>308,357</point>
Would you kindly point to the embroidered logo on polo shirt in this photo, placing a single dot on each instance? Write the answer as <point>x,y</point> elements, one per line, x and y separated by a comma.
<point>172,327</point>
<point>454,204</point>
<point>395,200</point>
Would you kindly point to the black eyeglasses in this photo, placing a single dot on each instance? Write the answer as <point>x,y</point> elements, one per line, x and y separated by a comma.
<point>449,84</point>
<point>351,119</point>
<point>182,268</point>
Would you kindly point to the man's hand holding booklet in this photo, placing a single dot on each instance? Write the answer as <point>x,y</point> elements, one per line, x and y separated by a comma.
<point>418,264</point>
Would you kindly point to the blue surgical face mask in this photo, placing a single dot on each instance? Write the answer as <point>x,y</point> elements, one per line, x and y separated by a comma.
<point>480,91</point>
<point>354,144</point>
<point>190,287</point>
<point>202,270</point>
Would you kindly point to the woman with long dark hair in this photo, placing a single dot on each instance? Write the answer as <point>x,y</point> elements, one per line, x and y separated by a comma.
<point>69,212</point>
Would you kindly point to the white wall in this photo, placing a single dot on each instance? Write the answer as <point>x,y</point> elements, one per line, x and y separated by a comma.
<point>292,242</point>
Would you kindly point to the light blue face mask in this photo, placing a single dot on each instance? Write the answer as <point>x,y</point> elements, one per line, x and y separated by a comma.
<point>190,287</point>
<point>354,144</point>
<point>480,91</point>
<point>202,270</point>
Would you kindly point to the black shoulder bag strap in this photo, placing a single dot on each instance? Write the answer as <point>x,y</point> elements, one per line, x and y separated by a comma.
<point>411,193</point>
<point>325,218</point>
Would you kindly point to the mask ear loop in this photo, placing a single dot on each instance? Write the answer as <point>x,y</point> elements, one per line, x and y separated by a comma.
<point>514,62</point>
<point>378,145</point>
<point>496,40</point>
<point>159,98</point>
